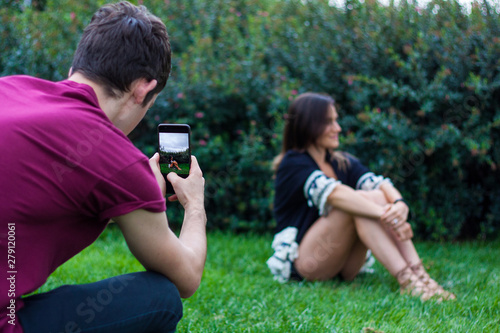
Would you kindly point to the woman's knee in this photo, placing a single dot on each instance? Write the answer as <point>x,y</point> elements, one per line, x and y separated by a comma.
<point>376,196</point>
<point>337,216</point>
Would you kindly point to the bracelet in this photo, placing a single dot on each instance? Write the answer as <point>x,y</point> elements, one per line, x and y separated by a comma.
<point>402,200</point>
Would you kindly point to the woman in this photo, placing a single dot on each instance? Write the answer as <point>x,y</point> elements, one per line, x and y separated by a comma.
<point>173,163</point>
<point>330,209</point>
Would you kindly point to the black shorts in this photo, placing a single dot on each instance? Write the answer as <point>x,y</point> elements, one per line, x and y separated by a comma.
<point>294,275</point>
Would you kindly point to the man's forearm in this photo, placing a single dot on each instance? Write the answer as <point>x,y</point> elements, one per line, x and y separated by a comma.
<point>193,235</point>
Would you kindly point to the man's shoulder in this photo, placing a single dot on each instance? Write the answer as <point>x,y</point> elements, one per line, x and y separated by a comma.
<point>19,77</point>
<point>14,86</point>
<point>22,81</point>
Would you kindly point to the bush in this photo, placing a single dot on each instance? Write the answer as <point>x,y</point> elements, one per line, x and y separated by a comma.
<point>418,90</point>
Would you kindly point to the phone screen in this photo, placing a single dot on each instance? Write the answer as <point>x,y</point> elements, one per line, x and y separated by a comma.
<point>175,151</point>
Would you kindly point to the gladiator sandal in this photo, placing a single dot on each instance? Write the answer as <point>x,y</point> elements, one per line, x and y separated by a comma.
<point>410,284</point>
<point>419,270</point>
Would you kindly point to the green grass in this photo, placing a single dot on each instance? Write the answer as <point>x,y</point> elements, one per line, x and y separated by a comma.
<point>183,166</point>
<point>238,294</point>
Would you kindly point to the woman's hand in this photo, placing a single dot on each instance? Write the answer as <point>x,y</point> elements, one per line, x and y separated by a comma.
<point>403,231</point>
<point>395,215</point>
<point>395,218</point>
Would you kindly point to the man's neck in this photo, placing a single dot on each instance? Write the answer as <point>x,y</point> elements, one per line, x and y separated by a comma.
<point>109,105</point>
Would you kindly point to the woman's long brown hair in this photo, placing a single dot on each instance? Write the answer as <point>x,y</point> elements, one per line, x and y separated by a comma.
<point>305,123</point>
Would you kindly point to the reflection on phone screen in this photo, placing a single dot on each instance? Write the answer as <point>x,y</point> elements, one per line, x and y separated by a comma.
<point>174,153</point>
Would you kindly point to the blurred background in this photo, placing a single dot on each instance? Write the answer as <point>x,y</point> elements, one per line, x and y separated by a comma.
<point>417,86</point>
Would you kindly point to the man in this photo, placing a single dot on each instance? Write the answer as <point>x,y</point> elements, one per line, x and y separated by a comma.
<point>67,168</point>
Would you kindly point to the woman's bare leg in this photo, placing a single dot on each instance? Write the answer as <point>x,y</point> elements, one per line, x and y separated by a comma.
<point>331,246</point>
<point>383,247</point>
<point>326,246</point>
<point>336,244</point>
<point>409,253</point>
<point>406,248</point>
<point>355,261</point>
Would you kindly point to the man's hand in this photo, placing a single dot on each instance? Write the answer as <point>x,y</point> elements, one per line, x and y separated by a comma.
<point>154,163</point>
<point>189,191</point>
<point>181,259</point>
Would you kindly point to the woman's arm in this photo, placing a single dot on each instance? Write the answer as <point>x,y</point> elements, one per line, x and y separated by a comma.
<point>346,199</point>
<point>398,210</point>
<point>391,193</point>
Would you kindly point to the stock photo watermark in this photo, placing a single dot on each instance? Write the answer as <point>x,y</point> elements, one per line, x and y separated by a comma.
<point>75,154</point>
<point>88,309</point>
<point>11,272</point>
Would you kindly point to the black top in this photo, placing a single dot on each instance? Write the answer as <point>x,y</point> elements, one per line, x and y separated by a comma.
<point>291,207</point>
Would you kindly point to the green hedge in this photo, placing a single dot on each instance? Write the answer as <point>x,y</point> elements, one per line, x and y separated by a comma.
<point>418,90</point>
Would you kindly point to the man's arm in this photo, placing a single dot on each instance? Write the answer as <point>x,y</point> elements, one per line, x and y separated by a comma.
<point>150,239</point>
<point>158,249</point>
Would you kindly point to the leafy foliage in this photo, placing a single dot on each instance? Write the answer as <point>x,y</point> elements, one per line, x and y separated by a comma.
<point>418,90</point>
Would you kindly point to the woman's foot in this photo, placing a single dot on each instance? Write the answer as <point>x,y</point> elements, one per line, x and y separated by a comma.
<point>412,285</point>
<point>422,286</point>
<point>422,274</point>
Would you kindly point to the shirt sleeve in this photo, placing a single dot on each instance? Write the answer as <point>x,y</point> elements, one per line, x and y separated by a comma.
<point>317,188</point>
<point>132,188</point>
<point>361,178</point>
<point>299,178</point>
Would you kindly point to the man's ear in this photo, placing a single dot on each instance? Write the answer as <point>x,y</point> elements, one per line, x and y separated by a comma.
<point>70,72</point>
<point>141,88</point>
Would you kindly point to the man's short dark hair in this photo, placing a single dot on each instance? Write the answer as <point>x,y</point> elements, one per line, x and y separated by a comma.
<point>121,44</point>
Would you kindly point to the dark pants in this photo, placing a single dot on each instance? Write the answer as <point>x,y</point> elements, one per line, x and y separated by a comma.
<point>138,302</point>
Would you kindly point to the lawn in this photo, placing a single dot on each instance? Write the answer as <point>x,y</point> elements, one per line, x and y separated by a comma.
<point>238,294</point>
<point>184,169</point>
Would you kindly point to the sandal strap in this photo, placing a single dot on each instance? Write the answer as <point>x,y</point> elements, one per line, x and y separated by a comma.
<point>410,283</point>
<point>431,284</point>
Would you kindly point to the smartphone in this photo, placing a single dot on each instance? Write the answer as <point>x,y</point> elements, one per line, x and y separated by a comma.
<point>174,147</point>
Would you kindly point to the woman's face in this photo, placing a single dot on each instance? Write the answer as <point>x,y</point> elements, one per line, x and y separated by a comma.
<point>330,137</point>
